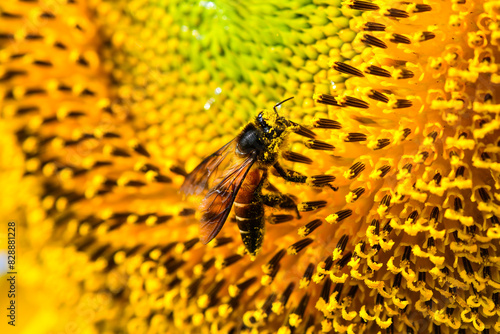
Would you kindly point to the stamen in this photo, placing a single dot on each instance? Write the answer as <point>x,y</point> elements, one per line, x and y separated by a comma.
<point>437,179</point>
<point>373,41</point>
<point>141,149</point>
<point>326,99</point>
<point>406,133</point>
<point>355,103</point>
<point>348,69</point>
<point>222,241</point>
<point>397,281</point>
<point>400,39</point>
<point>311,206</point>
<point>397,13</point>
<point>431,243</point>
<point>321,180</point>
<point>319,145</point>
<point>460,172</point>
<point>355,170</point>
<point>426,35</point>
<point>374,26</point>
<point>187,212</point>
<point>467,266</point>
<point>403,103</point>
<point>309,227</point>
<point>324,123</point>
<point>420,8</point>
<point>384,170</point>
<point>412,217</point>
<point>286,295</point>
<point>406,254</point>
<point>271,265</point>
<point>325,291</point>
<point>484,195</point>
<point>237,289</point>
<point>306,278</point>
<point>376,95</point>
<point>355,137</point>
<point>387,228</point>
<point>344,260</point>
<point>432,135</point>
<point>303,131</point>
<point>230,260</point>
<point>339,216</point>
<point>355,194</point>
<point>375,223</point>
<point>296,316</point>
<point>342,243</point>
<point>186,246</point>
<point>408,167</point>
<point>363,5</point>
<point>381,143</point>
<point>296,157</point>
<point>267,307</point>
<point>405,74</point>
<point>352,291</point>
<point>279,219</point>
<point>378,71</point>
<point>178,170</point>
<point>299,245</point>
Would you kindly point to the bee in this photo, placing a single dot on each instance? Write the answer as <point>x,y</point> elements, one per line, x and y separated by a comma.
<point>252,153</point>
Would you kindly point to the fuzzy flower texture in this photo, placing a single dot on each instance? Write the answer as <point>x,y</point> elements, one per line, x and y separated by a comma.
<point>106,105</point>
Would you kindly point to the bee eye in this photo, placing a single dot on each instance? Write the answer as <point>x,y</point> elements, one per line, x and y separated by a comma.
<point>262,123</point>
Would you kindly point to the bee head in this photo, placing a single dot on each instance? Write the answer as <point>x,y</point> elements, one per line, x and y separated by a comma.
<point>265,135</point>
<point>272,124</point>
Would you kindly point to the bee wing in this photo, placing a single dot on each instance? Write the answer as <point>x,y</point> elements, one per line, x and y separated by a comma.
<point>197,180</point>
<point>219,200</point>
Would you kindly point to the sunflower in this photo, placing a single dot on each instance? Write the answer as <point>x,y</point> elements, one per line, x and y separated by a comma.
<point>107,105</point>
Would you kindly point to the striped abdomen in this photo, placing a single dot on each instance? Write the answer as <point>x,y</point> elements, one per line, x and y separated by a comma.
<point>250,212</point>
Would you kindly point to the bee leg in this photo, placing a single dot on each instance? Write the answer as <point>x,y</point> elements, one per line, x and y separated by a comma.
<point>280,201</point>
<point>293,176</point>
<point>290,175</point>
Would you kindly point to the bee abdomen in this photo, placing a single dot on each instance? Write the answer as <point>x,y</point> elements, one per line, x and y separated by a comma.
<point>248,210</point>
<point>250,218</point>
<point>252,233</point>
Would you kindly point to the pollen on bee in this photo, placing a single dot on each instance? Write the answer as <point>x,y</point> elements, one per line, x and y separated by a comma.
<point>311,206</point>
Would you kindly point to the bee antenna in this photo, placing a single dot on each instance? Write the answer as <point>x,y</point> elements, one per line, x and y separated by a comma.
<point>276,111</point>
